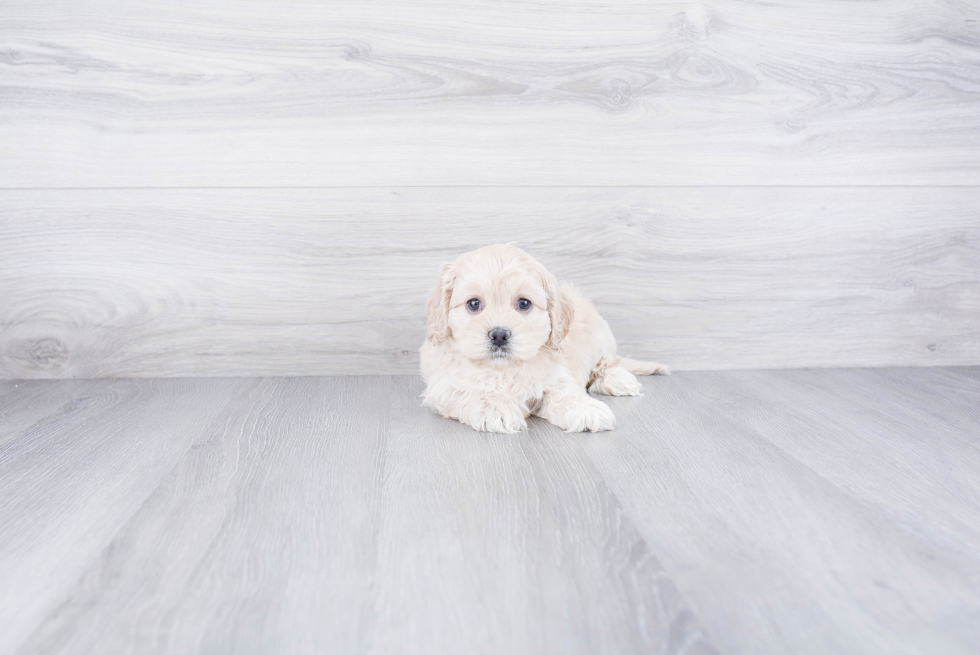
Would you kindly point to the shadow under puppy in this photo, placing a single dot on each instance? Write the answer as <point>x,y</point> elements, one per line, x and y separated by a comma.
<point>504,341</point>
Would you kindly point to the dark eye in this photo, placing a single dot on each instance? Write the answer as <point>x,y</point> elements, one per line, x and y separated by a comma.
<point>473,304</point>
<point>524,304</point>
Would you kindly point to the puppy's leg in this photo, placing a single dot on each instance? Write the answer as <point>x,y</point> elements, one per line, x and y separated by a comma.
<point>493,413</point>
<point>616,381</point>
<point>567,405</point>
<point>486,412</point>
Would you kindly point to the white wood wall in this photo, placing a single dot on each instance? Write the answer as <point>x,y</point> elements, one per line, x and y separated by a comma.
<point>258,187</point>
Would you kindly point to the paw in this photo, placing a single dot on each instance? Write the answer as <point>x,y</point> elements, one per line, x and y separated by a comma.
<point>493,418</point>
<point>586,414</point>
<point>617,381</point>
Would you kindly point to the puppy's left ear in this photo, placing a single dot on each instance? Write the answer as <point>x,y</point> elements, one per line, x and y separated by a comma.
<point>561,310</point>
<point>437,324</point>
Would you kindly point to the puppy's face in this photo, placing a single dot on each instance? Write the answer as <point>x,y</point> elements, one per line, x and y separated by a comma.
<point>499,315</point>
<point>498,304</point>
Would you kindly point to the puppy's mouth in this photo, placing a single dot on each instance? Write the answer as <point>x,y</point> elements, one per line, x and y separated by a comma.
<point>498,353</point>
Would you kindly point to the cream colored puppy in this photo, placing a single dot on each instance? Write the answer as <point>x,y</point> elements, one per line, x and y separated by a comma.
<point>504,341</point>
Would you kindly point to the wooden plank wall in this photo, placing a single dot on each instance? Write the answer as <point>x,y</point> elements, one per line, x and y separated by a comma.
<point>246,188</point>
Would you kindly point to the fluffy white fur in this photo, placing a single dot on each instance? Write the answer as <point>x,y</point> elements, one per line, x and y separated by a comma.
<point>559,349</point>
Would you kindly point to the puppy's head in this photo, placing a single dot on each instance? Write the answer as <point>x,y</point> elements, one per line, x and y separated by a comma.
<point>499,305</point>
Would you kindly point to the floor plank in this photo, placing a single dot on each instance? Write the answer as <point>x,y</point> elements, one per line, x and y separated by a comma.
<point>247,537</point>
<point>318,521</point>
<point>568,572</point>
<point>24,402</point>
<point>461,92</point>
<point>72,478</point>
<point>810,511</point>
<point>797,523</point>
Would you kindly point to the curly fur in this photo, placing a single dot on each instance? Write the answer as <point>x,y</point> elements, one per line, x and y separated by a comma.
<point>559,349</point>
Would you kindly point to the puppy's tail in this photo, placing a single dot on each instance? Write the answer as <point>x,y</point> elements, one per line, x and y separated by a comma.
<point>637,367</point>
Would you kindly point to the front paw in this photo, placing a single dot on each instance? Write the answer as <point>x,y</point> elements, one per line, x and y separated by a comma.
<point>494,418</point>
<point>586,414</point>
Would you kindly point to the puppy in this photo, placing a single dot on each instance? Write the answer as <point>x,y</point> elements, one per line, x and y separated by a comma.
<point>504,341</point>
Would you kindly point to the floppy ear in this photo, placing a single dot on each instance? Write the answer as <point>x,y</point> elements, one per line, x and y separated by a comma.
<point>560,309</point>
<point>437,324</point>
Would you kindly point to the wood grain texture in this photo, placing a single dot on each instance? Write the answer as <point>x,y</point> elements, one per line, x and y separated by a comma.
<point>24,403</point>
<point>820,511</point>
<point>70,478</point>
<point>320,518</point>
<point>811,511</point>
<point>116,283</point>
<point>115,93</point>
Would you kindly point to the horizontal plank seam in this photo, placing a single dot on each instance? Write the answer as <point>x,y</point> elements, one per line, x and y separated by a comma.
<point>502,186</point>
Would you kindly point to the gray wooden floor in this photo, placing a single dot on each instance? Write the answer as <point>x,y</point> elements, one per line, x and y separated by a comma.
<point>806,511</point>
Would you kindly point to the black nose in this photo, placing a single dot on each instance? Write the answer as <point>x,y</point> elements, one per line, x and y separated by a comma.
<point>499,337</point>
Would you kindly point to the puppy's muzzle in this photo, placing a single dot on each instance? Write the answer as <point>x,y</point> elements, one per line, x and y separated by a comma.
<point>499,339</point>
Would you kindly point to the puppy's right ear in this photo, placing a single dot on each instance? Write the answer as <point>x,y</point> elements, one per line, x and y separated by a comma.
<point>437,324</point>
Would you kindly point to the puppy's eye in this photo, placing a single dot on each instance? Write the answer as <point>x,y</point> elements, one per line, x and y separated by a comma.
<point>524,304</point>
<point>473,304</point>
